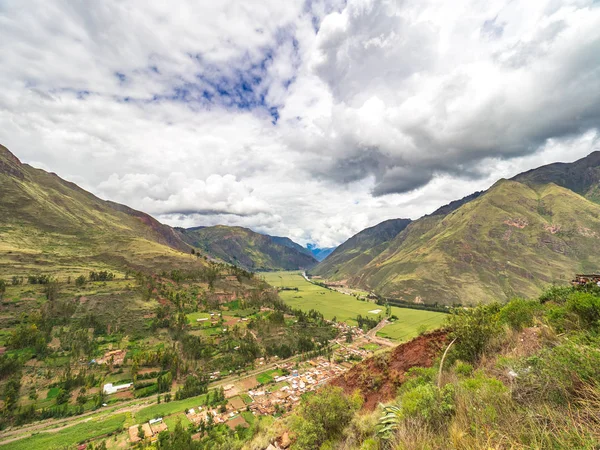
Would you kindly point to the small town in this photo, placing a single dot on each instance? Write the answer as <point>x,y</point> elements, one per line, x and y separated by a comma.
<point>274,392</point>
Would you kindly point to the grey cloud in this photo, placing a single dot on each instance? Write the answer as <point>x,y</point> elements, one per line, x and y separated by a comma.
<point>516,95</point>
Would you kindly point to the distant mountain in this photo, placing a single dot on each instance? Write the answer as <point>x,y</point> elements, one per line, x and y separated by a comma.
<point>347,260</point>
<point>248,249</point>
<point>287,242</point>
<point>514,239</point>
<point>321,253</point>
<point>47,222</point>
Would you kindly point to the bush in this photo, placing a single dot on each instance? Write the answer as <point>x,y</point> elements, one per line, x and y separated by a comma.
<point>323,417</point>
<point>463,369</point>
<point>556,294</point>
<point>473,330</point>
<point>429,404</point>
<point>481,402</point>
<point>519,313</point>
<point>586,306</point>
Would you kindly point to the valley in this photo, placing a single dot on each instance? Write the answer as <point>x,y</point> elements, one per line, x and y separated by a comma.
<point>117,331</point>
<point>299,293</point>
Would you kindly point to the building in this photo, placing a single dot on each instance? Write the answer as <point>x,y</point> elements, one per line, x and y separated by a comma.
<point>109,388</point>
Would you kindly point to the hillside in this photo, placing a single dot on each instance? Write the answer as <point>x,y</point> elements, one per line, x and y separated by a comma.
<point>511,241</point>
<point>348,259</point>
<point>248,249</point>
<point>49,223</point>
<point>581,176</point>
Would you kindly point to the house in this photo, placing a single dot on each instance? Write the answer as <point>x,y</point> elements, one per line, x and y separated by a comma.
<point>110,389</point>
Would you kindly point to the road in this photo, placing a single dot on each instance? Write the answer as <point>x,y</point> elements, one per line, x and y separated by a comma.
<point>372,335</point>
<point>122,407</point>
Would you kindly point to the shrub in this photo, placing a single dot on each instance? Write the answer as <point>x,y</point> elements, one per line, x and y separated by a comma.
<point>556,294</point>
<point>519,313</point>
<point>323,417</point>
<point>473,330</point>
<point>428,403</point>
<point>463,369</point>
<point>586,306</point>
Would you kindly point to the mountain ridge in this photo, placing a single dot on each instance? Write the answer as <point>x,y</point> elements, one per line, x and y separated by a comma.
<point>249,249</point>
<point>511,240</point>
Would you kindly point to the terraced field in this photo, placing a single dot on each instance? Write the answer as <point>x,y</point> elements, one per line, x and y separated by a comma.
<point>346,307</point>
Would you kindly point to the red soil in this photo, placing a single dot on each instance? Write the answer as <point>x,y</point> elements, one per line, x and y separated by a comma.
<point>378,379</point>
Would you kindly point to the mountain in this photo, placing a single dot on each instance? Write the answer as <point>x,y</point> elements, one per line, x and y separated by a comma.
<point>287,242</point>
<point>353,255</point>
<point>581,176</point>
<point>321,253</point>
<point>248,249</point>
<point>514,239</point>
<point>47,222</point>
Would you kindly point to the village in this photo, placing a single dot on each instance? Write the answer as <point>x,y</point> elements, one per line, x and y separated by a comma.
<point>274,392</point>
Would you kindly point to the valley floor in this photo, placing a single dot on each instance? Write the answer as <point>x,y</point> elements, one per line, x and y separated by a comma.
<point>298,292</point>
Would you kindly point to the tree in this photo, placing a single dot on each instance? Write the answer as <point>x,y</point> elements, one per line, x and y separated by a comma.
<point>63,397</point>
<point>2,288</point>
<point>349,336</point>
<point>51,290</point>
<point>80,280</point>
<point>141,433</point>
<point>81,397</point>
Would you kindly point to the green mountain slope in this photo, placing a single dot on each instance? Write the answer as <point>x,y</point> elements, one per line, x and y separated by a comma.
<point>515,239</point>
<point>287,242</point>
<point>582,176</point>
<point>248,249</point>
<point>48,223</point>
<point>347,260</point>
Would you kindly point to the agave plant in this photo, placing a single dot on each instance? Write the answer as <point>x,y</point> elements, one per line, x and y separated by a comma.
<point>389,421</point>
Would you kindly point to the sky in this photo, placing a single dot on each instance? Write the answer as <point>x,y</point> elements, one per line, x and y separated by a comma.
<point>307,119</point>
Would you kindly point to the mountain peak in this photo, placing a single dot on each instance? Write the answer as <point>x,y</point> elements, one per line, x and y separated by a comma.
<point>10,164</point>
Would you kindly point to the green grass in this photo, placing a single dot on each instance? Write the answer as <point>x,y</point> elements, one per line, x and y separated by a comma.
<point>172,420</point>
<point>165,409</point>
<point>410,322</point>
<point>248,417</point>
<point>246,398</point>
<point>268,377</point>
<point>69,436</point>
<point>346,307</point>
<point>53,392</point>
<point>370,347</point>
<point>198,315</point>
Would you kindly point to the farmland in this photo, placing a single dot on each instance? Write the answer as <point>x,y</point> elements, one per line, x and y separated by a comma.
<point>345,308</point>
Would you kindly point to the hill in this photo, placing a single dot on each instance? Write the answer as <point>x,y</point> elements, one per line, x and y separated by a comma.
<point>248,249</point>
<point>51,224</point>
<point>581,176</point>
<point>348,259</point>
<point>512,240</point>
<point>287,242</point>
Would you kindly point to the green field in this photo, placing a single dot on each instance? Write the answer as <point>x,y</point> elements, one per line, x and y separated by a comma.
<point>171,421</point>
<point>165,409</point>
<point>69,436</point>
<point>269,376</point>
<point>346,307</point>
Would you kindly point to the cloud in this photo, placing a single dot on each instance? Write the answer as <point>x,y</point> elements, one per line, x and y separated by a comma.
<point>178,195</point>
<point>308,119</point>
<point>419,90</point>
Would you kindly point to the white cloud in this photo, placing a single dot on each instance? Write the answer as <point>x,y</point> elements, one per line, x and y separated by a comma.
<point>288,117</point>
